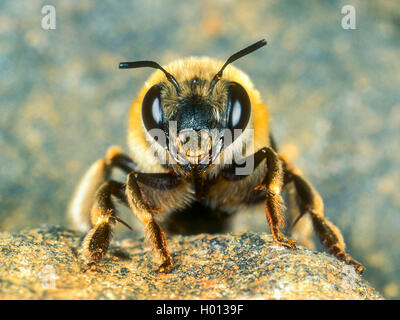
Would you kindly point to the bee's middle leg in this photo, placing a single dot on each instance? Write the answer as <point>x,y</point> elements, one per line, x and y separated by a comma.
<point>310,201</point>
<point>103,217</point>
<point>99,172</point>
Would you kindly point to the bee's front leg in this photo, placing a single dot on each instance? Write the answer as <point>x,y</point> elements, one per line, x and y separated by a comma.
<point>272,184</point>
<point>158,186</point>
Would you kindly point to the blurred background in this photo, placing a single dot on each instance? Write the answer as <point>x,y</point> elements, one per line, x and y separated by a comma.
<point>333,95</point>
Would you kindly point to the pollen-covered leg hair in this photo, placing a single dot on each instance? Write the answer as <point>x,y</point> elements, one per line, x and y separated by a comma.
<point>310,201</point>
<point>103,217</point>
<point>154,234</point>
<point>81,203</point>
<point>272,184</point>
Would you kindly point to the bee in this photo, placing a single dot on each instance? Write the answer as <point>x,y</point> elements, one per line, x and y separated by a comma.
<point>201,149</point>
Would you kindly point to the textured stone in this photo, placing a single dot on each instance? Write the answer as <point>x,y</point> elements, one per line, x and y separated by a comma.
<point>44,263</point>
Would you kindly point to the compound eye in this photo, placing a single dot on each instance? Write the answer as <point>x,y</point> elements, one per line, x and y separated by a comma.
<point>152,110</point>
<point>238,107</point>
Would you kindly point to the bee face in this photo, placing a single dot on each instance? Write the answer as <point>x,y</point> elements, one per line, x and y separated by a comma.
<point>194,114</point>
<point>196,120</point>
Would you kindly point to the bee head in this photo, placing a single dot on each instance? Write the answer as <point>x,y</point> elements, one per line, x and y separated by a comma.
<point>196,119</point>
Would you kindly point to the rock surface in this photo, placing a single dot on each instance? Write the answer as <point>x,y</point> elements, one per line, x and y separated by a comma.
<point>44,263</point>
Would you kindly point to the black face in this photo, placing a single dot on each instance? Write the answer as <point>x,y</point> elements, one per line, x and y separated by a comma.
<point>194,136</point>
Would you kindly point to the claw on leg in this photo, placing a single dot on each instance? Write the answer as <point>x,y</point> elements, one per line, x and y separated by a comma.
<point>165,267</point>
<point>285,242</point>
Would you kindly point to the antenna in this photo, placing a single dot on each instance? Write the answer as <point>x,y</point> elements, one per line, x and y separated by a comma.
<point>151,64</point>
<point>236,56</point>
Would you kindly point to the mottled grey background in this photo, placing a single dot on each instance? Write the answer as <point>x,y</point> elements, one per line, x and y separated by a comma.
<point>332,93</point>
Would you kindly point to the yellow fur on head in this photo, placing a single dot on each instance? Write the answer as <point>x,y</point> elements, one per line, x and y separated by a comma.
<point>185,70</point>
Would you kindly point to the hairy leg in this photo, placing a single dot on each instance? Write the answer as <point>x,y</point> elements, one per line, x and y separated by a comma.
<point>159,189</point>
<point>310,201</point>
<point>84,196</point>
<point>271,178</point>
<point>103,217</point>
<point>272,184</point>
